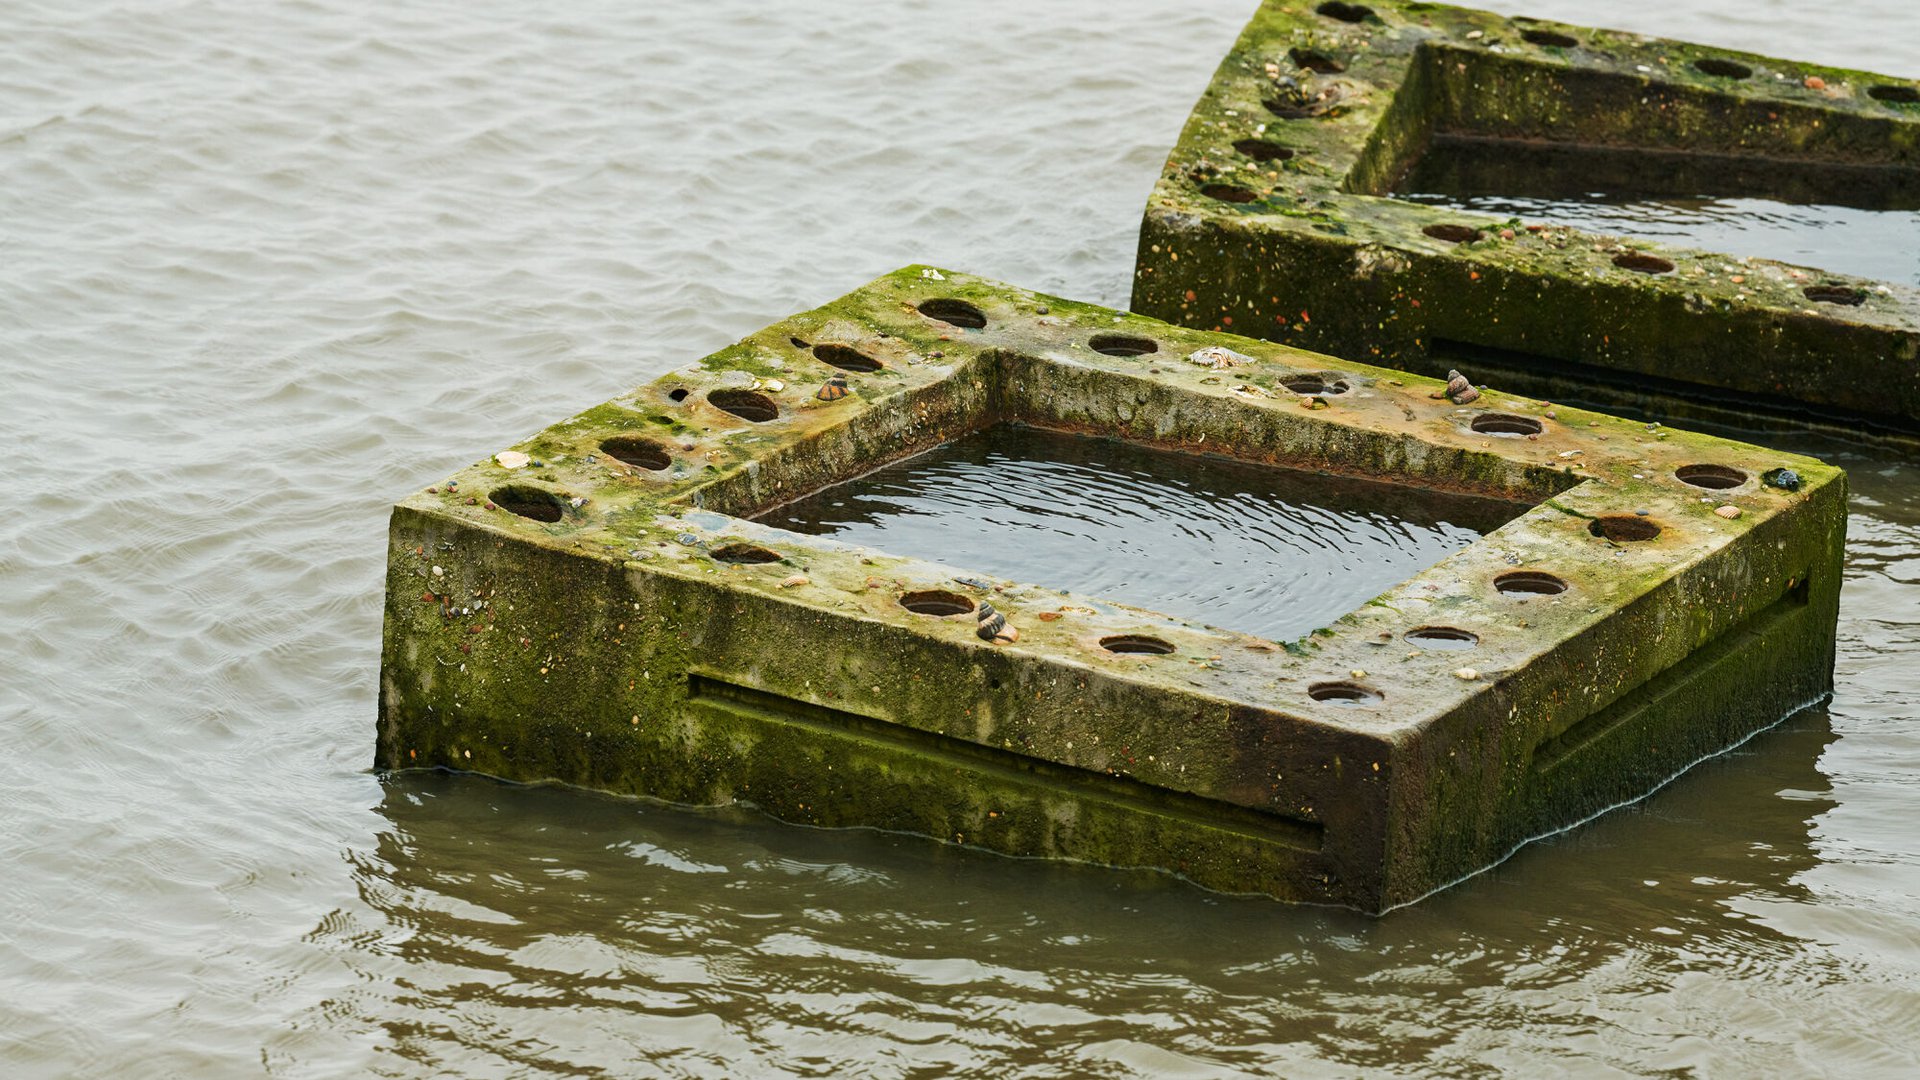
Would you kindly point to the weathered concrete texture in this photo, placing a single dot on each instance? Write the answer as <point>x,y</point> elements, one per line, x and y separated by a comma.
<point>615,645</point>
<point>1273,217</point>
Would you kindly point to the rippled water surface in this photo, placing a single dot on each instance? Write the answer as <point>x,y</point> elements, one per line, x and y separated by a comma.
<point>1272,552</point>
<point>265,266</point>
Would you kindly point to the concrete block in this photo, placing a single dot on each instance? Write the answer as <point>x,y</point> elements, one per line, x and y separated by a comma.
<point>1275,216</point>
<point>593,606</point>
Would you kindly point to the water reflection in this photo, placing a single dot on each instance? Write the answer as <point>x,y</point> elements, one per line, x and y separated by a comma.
<point>712,942</point>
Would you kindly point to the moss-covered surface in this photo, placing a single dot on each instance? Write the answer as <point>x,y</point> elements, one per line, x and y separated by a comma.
<point>1273,216</point>
<point>615,647</point>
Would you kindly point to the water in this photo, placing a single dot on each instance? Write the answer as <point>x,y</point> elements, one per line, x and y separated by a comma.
<point>1272,552</point>
<point>265,266</point>
<point>1864,222</point>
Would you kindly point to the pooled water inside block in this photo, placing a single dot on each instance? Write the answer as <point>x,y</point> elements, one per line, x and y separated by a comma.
<point>1863,221</point>
<point>1272,552</point>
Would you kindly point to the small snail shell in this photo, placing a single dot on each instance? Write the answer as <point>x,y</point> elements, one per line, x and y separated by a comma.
<point>1457,384</point>
<point>833,389</point>
<point>994,628</point>
<point>1466,397</point>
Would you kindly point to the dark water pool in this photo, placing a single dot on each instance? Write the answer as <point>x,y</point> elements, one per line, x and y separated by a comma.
<point>1272,552</point>
<point>1860,221</point>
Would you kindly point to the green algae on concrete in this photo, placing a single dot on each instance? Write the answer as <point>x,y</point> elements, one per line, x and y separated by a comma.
<point>592,606</point>
<point>1274,215</point>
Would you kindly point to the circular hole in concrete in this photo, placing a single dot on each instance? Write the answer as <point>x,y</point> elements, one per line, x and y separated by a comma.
<point>1122,345</point>
<point>637,452</point>
<point>1452,234</point>
<point>1642,263</point>
<point>1316,61</point>
<point>1505,424</point>
<point>1529,583</point>
<point>1624,528</point>
<point>1443,637</point>
<point>1834,294</point>
<point>1228,193</point>
<point>1344,693</point>
<point>1262,150</point>
<point>1726,69</point>
<point>936,602</point>
<point>679,394</point>
<point>1349,13</point>
<point>1552,39</point>
<point>1318,385</point>
<point>528,501</point>
<point>745,404</point>
<point>1290,110</point>
<point>1898,95</point>
<point>1711,477</point>
<point>746,554</point>
<point>1136,645</point>
<point>954,312</point>
<point>846,358</point>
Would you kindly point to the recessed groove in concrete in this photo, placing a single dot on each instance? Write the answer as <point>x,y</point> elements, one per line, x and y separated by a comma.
<point>1412,766</point>
<point>1005,767</point>
<point>1323,254</point>
<point>1709,661</point>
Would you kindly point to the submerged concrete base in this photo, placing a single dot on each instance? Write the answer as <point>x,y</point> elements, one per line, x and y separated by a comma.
<point>592,607</point>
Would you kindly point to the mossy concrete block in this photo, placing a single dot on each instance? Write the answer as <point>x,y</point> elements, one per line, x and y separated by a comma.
<point>593,606</point>
<point>1274,216</point>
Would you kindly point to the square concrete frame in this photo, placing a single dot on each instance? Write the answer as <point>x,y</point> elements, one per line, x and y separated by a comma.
<point>587,608</point>
<point>1273,216</point>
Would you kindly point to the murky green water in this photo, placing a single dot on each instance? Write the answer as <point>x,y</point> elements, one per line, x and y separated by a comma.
<point>1272,552</point>
<point>265,266</point>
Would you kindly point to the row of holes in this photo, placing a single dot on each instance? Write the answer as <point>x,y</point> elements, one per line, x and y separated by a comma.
<point>1720,67</point>
<point>1643,263</point>
<point>758,408</point>
<point>1312,60</point>
<point>1619,528</point>
<point>1128,345</point>
<point>644,453</point>
<point>751,405</point>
